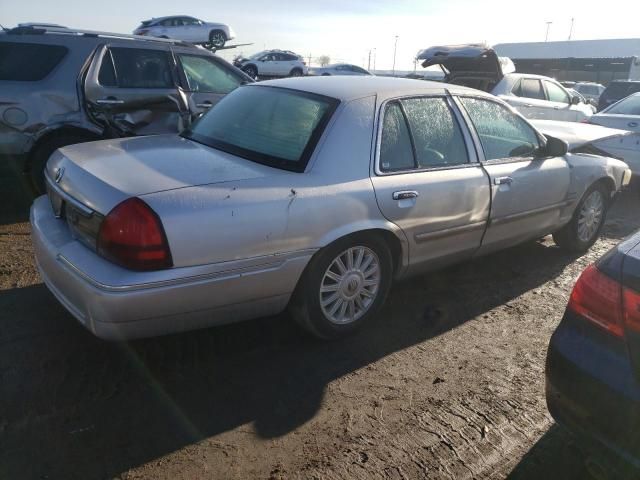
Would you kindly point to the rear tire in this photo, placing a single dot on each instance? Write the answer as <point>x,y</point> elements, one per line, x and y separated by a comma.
<point>344,285</point>
<point>588,219</point>
<point>41,154</point>
<point>296,72</point>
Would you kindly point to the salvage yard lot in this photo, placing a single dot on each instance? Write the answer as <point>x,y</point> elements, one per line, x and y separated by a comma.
<point>447,382</point>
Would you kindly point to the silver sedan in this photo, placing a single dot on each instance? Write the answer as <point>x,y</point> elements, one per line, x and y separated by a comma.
<point>313,194</point>
<point>339,69</point>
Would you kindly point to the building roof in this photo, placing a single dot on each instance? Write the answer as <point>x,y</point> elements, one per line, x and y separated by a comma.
<point>615,48</point>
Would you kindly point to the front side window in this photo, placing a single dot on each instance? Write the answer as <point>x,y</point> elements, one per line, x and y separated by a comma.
<point>28,62</point>
<point>140,68</point>
<point>273,126</point>
<point>628,106</point>
<point>556,93</point>
<point>206,75</point>
<point>436,134</point>
<point>396,152</point>
<point>503,134</point>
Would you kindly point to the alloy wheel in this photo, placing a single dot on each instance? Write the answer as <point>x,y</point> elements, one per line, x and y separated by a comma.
<point>350,285</point>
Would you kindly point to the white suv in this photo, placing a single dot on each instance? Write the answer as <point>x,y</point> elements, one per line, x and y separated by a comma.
<point>273,63</point>
<point>534,96</point>
<point>187,29</point>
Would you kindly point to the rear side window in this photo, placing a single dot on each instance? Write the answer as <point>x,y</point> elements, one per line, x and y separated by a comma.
<point>436,134</point>
<point>206,75</point>
<point>28,62</point>
<point>136,68</point>
<point>502,133</point>
<point>396,152</point>
<point>530,88</point>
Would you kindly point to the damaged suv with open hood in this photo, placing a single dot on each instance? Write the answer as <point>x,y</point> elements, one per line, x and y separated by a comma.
<point>60,87</point>
<point>478,66</point>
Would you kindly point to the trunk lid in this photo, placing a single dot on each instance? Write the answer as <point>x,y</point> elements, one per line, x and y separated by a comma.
<point>101,174</point>
<point>623,122</point>
<point>472,65</point>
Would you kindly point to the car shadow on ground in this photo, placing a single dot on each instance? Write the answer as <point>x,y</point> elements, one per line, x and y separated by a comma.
<point>73,406</point>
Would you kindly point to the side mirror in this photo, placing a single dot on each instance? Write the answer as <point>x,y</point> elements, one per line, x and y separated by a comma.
<point>575,100</point>
<point>554,148</point>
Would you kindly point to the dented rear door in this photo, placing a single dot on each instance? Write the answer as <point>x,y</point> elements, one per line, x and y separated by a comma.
<point>133,91</point>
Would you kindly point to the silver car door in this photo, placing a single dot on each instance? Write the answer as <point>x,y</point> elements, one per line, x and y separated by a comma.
<point>532,95</point>
<point>528,193</point>
<point>205,79</point>
<point>428,182</point>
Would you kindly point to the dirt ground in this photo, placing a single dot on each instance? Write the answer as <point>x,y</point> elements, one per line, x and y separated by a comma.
<point>448,382</point>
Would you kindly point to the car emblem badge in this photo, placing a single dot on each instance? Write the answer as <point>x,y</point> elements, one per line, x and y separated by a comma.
<point>59,173</point>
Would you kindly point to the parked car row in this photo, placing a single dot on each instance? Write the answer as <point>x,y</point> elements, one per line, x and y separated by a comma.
<point>127,86</point>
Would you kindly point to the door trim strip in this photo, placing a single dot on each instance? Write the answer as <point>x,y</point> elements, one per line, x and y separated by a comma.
<point>447,232</point>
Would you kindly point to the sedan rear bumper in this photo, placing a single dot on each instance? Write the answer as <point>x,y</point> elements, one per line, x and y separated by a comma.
<point>592,390</point>
<point>118,304</point>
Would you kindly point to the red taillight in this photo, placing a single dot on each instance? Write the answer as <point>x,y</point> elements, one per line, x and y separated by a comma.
<point>132,235</point>
<point>598,298</point>
<point>631,302</point>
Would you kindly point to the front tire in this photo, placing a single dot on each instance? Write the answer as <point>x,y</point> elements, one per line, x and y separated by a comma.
<point>217,38</point>
<point>344,285</point>
<point>251,70</point>
<point>586,224</point>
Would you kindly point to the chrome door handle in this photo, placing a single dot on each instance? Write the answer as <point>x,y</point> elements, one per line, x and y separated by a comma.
<point>405,194</point>
<point>503,181</point>
<point>632,124</point>
<point>528,105</point>
<point>204,105</point>
<point>109,101</point>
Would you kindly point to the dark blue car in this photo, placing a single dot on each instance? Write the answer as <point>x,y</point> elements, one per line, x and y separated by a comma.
<point>593,362</point>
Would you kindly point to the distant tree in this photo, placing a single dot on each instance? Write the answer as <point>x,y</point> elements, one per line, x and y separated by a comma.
<point>324,60</point>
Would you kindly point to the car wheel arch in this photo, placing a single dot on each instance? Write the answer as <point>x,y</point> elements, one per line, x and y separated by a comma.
<point>394,239</point>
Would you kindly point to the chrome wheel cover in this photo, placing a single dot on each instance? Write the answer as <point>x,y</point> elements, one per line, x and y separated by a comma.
<point>350,285</point>
<point>591,216</point>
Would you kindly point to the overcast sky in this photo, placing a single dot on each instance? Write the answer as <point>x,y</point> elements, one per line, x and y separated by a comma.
<point>346,30</point>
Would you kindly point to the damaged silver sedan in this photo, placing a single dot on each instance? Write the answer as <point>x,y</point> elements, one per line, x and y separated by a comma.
<point>310,193</point>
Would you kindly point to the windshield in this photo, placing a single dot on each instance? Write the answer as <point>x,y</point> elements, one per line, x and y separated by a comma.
<point>274,126</point>
<point>628,106</point>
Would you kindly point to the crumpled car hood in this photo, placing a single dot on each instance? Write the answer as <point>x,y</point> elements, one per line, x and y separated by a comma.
<point>577,134</point>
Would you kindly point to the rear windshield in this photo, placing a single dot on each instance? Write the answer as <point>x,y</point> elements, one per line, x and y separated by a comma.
<point>274,126</point>
<point>628,106</point>
<point>28,62</point>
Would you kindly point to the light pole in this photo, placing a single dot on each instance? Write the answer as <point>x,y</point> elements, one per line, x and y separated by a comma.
<point>374,59</point>
<point>546,37</point>
<point>395,48</point>
<point>369,61</point>
<point>571,29</point>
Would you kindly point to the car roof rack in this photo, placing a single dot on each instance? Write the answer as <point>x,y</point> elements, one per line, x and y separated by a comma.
<point>41,30</point>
